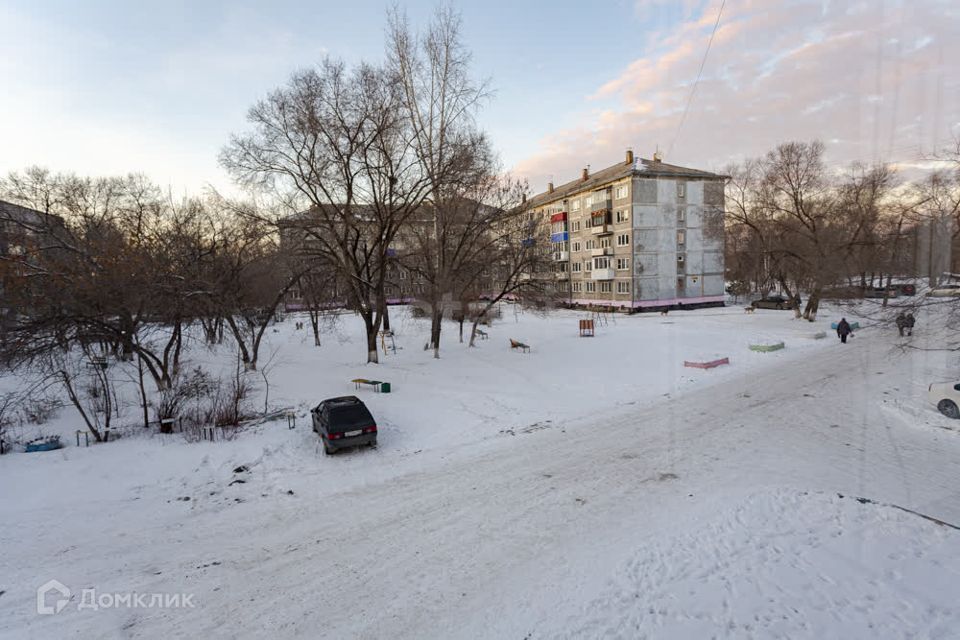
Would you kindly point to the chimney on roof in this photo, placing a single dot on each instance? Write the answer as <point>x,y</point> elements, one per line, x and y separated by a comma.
<point>549,187</point>
<point>585,174</point>
<point>656,155</point>
<point>523,197</point>
<point>629,156</point>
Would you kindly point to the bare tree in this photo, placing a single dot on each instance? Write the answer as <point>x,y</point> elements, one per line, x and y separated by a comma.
<point>333,146</point>
<point>515,268</point>
<point>439,98</point>
<point>95,272</point>
<point>793,224</point>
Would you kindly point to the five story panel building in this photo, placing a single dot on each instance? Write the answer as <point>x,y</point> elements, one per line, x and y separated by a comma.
<point>642,234</point>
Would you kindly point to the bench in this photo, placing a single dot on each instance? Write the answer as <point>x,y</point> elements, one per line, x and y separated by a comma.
<point>482,334</point>
<point>358,382</point>
<point>519,345</point>
<point>586,328</point>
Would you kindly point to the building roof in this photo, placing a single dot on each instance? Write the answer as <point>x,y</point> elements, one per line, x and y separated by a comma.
<point>640,167</point>
<point>11,211</point>
<point>27,217</point>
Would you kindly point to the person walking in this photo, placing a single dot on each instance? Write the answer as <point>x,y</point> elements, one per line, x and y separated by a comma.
<point>910,321</point>
<point>901,322</point>
<point>843,330</point>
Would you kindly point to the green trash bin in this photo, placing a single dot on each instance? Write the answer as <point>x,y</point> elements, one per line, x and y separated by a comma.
<point>384,387</point>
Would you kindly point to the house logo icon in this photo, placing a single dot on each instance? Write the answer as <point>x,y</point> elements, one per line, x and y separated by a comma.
<point>63,596</point>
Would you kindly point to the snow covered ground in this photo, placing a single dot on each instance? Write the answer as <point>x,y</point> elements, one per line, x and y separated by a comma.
<point>592,488</point>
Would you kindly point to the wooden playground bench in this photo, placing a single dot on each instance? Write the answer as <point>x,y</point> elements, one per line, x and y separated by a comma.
<point>519,345</point>
<point>586,328</point>
<point>482,334</point>
<point>363,381</point>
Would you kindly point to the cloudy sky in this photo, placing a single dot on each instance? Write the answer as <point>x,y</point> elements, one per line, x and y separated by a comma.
<point>111,86</point>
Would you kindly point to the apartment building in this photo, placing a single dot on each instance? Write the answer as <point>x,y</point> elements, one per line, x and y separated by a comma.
<point>642,234</point>
<point>23,231</point>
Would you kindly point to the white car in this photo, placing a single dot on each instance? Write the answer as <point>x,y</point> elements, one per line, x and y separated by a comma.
<point>945,291</point>
<point>946,395</point>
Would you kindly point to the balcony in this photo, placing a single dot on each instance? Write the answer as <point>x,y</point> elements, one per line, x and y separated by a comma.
<point>601,207</point>
<point>601,229</point>
<point>559,217</point>
<point>601,274</point>
<point>561,236</point>
<point>562,275</point>
<point>602,251</point>
<point>561,256</point>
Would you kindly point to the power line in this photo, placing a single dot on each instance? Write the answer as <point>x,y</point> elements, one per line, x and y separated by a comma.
<point>693,89</point>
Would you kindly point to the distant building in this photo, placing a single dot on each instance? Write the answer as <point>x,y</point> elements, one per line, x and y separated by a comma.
<point>932,249</point>
<point>23,233</point>
<point>298,237</point>
<point>641,234</point>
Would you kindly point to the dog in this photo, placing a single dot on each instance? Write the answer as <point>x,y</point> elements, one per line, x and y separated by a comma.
<point>664,312</point>
<point>748,309</point>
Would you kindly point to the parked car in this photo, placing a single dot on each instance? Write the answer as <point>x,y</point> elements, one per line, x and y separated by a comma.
<point>945,291</point>
<point>906,289</point>
<point>774,302</point>
<point>880,292</point>
<point>344,422</point>
<point>946,396</point>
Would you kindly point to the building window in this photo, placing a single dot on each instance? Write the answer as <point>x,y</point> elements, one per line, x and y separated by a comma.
<point>575,226</point>
<point>680,264</point>
<point>681,284</point>
<point>681,216</point>
<point>587,223</point>
<point>589,245</point>
<point>622,215</point>
<point>623,286</point>
<point>589,265</point>
<point>563,286</point>
<point>577,267</point>
<point>681,189</point>
<point>606,287</point>
<point>601,263</point>
<point>621,192</point>
<point>604,243</point>
<point>591,287</point>
<point>681,237</point>
<point>623,264</point>
<point>623,240</point>
<point>578,286</point>
<point>575,205</point>
<point>576,246</point>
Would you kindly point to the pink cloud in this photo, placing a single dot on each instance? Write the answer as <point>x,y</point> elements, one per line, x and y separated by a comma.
<point>873,84</point>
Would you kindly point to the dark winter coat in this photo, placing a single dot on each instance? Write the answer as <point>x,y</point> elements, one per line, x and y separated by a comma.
<point>843,328</point>
<point>902,321</point>
<point>910,320</point>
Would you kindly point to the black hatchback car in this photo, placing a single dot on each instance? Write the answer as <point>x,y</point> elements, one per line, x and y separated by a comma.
<point>344,422</point>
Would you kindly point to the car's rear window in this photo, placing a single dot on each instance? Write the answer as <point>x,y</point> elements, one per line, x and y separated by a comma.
<point>349,418</point>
